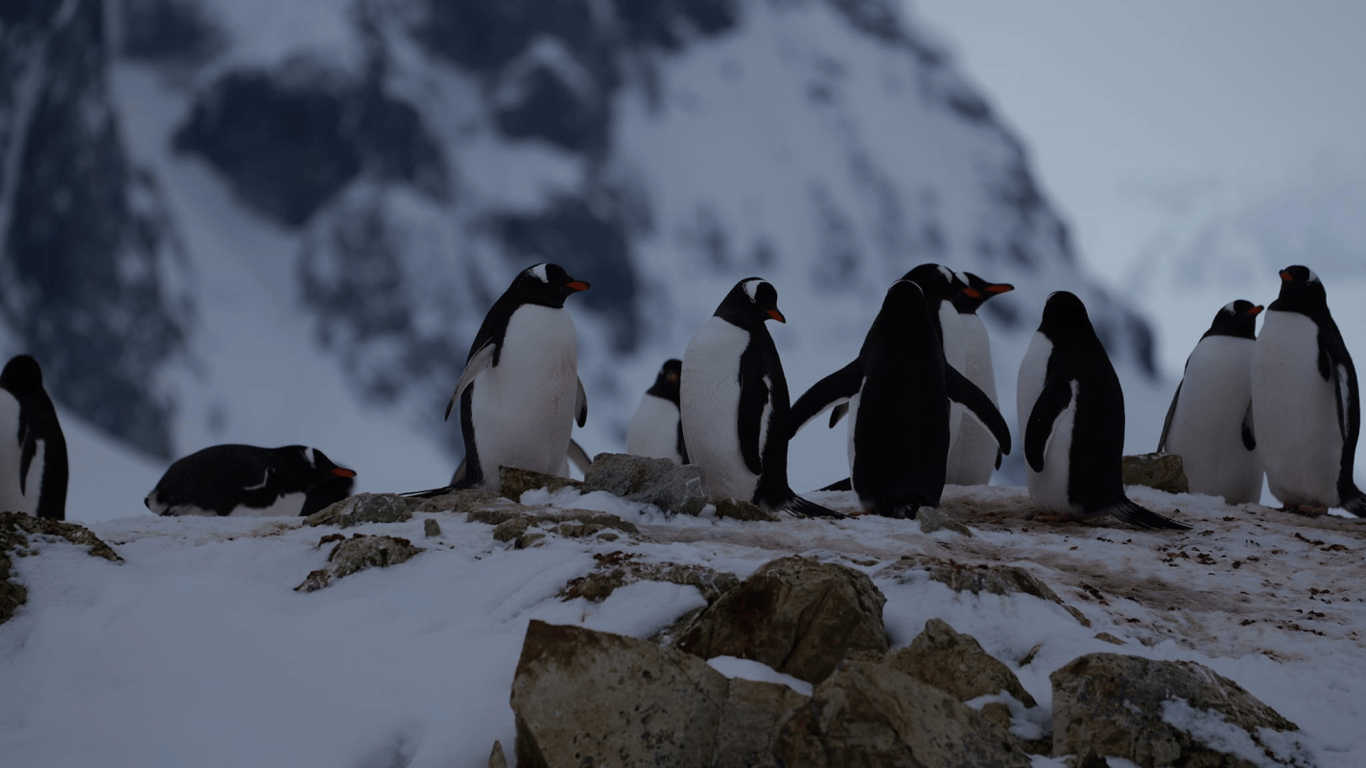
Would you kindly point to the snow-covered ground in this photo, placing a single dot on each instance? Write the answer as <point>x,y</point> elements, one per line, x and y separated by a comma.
<point>197,651</point>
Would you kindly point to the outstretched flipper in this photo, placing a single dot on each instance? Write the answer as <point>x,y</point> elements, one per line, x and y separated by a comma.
<point>1133,514</point>
<point>960,389</point>
<point>476,365</point>
<point>1055,398</point>
<point>832,391</point>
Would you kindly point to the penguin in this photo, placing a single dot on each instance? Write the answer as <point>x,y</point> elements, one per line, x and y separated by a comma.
<point>577,457</point>
<point>243,480</point>
<point>898,391</point>
<point>1306,404</point>
<point>1071,411</point>
<point>734,403</point>
<point>331,491</point>
<point>520,392</point>
<point>975,455</point>
<point>1209,423</point>
<point>656,429</point>
<point>33,463</point>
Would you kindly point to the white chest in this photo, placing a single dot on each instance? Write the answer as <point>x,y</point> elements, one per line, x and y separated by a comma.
<point>1206,428</point>
<point>653,431</point>
<point>12,499</point>
<point>710,399</point>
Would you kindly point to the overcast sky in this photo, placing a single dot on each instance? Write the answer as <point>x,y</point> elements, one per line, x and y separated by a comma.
<point>1124,104</point>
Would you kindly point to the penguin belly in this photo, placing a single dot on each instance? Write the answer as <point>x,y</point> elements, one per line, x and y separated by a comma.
<point>710,397</point>
<point>1047,489</point>
<point>1294,412</point>
<point>972,456</point>
<point>1207,427</point>
<point>523,408</point>
<point>653,431</point>
<point>12,499</point>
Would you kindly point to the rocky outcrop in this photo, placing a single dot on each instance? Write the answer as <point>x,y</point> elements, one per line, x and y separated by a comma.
<point>674,489</point>
<point>799,616</point>
<point>993,579</point>
<point>357,554</point>
<point>364,508</point>
<point>524,526</point>
<point>16,540</point>
<point>1157,713</point>
<point>518,481</point>
<point>618,569</point>
<point>1163,471</point>
<point>957,665</point>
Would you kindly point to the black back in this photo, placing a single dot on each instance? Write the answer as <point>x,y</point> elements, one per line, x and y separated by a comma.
<point>666,387</point>
<point>546,285</point>
<point>1237,319</point>
<point>939,284</point>
<point>221,478</point>
<point>23,379</point>
<point>974,293</point>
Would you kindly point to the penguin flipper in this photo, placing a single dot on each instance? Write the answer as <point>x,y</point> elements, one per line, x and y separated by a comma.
<point>801,506</point>
<point>1133,514</point>
<point>27,452</point>
<point>832,391</point>
<point>1171,411</point>
<point>1053,400</point>
<point>579,457</point>
<point>837,413</point>
<point>580,405</point>
<point>756,416</point>
<point>961,390</point>
<point>1249,433</point>
<point>478,362</point>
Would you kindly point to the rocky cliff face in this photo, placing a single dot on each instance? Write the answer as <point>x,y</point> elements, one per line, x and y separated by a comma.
<point>402,159</point>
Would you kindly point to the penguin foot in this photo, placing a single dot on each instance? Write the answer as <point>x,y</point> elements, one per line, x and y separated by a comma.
<point>1308,510</point>
<point>1142,517</point>
<point>800,506</point>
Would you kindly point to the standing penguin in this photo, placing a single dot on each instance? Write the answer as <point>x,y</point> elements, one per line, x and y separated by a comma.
<point>735,406</point>
<point>1305,401</point>
<point>975,454</point>
<point>33,468</point>
<point>1071,411</point>
<point>520,392</point>
<point>244,480</point>
<point>898,392</point>
<point>656,429</point>
<point>1209,423</point>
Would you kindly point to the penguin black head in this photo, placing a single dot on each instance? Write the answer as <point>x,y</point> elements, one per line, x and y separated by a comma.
<point>666,383</point>
<point>975,292</point>
<point>22,374</point>
<point>1237,319</point>
<point>938,282</point>
<point>311,465</point>
<point>546,284</point>
<point>751,302</point>
<point>1301,291</point>
<point>1064,316</point>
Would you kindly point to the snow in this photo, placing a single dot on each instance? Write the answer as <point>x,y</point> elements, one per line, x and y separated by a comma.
<point>196,650</point>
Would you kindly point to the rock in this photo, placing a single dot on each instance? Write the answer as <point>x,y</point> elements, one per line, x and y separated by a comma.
<point>569,524</point>
<point>496,758</point>
<point>431,528</point>
<point>874,716</point>
<point>617,569</point>
<point>590,698</point>
<point>752,722</point>
<point>956,664</point>
<point>468,500</point>
<point>796,615</point>
<point>518,481</point>
<point>1163,471</point>
<point>356,554</point>
<point>1157,713</point>
<point>996,580</point>
<point>16,528</point>
<point>743,510</point>
<point>364,508</point>
<point>674,489</point>
<point>932,520</point>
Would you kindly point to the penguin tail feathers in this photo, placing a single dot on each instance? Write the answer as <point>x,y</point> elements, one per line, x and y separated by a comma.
<point>798,505</point>
<point>1133,514</point>
<point>430,492</point>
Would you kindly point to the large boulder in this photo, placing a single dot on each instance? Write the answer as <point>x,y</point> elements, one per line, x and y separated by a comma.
<point>1157,713</point>
<point>798,616</point>
<point>1163,471</point>
<point>673,488</point>
<point>956,664</point>
<point>18,533</point>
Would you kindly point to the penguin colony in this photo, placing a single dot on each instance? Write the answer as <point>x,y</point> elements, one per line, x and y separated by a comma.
<point>920,397</point>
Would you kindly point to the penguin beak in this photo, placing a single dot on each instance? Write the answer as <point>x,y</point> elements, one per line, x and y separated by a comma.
<point>972,293</point>
<point>577,285</point>
<point>1000,288</point>
<point>343,472</point>
<point>776,315</point>
<point>1287,277</point>
<point>1256,310</point>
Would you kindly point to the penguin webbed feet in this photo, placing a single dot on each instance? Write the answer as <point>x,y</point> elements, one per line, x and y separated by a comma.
<point>804,508</point>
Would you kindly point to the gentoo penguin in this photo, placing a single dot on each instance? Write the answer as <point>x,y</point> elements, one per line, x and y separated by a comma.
<point>1071,411</point>
<point>1306,406</point>
<point>331,491</point>
<point>898,391</point>
<point>975,454</point>
<point>735,406</point>
<point>656,430</point>
<point>243,480</point>
<point>33,468</point>
<point>577,457</point>
<point>1209,423</point>
<point>520,392</point>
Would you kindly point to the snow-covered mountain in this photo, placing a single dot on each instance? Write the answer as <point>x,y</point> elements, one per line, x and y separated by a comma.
<point>278,222</point>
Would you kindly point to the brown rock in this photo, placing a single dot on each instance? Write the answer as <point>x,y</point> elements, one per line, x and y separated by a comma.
<point>956,664</point>
<point>356,554</point>
<point>932,520</point>
<point>364,508</point>
<point>1163,471</point>
<point>617,569</point>
<point>467,500</point>
<point>796,615</point>
<point>518,481</point>
<point>16,530</point>
<point>996,580</point>
<point>752,723</point>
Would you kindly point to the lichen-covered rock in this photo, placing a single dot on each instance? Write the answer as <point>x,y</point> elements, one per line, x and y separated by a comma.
<point>617,569</point>
<point>524,528</point>
<point>431,528</point>
<point>673,488</point>
<point>797,615</point>
<point>956,664</point>
<point>1163,471</point>
<point>364,508</point>
<point>996,580</point>
<point>872,716</point>
<point>16,530</point>
<point>932,520</point>
<point>743,510</point>
<point>518,481</point>
<point>468,500</point>
<point>356,554</point>
<point>1157,713</point>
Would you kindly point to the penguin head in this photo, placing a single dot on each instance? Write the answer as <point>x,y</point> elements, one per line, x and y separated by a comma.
<point>666,383</point>
<point>545,284</point>
<point>22,374</point>
<point>938,282</point>
<point>311,465</point>
<point>1064,316</point>
<point>751,302</point>
<point>1237,319</point>
<point>1301,290</point>
<point>975,291</point>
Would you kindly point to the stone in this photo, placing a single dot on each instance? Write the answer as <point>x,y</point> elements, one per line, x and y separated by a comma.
<point>468,500</point>
<point>364,508</point>
<point>16,528</point>
<point>1163,471</point>
<point>743,510</point>
<point>518,481</point>
<point>797,615</point>
<point>932,519</point>
<point>996,580</point>
<point>957,665</point>
<point>590,698</point>
<point>674,489</point>
<point>873,716</point>
<point>496,757</point>
<point>752,721</point>
<point>357,554</point>
<point>573,523</point>
<point>1145,710</point>
<point>617,569</point>
<point>431,528</point>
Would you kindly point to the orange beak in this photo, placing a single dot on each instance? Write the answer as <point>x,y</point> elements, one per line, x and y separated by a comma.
<point>343,472</point>
<point>776,315</point>
<point>972,293</point>
<point>1000,288</point>
<point>1286,277</point>
<point>1256,310</point>
<point>577,285</point>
